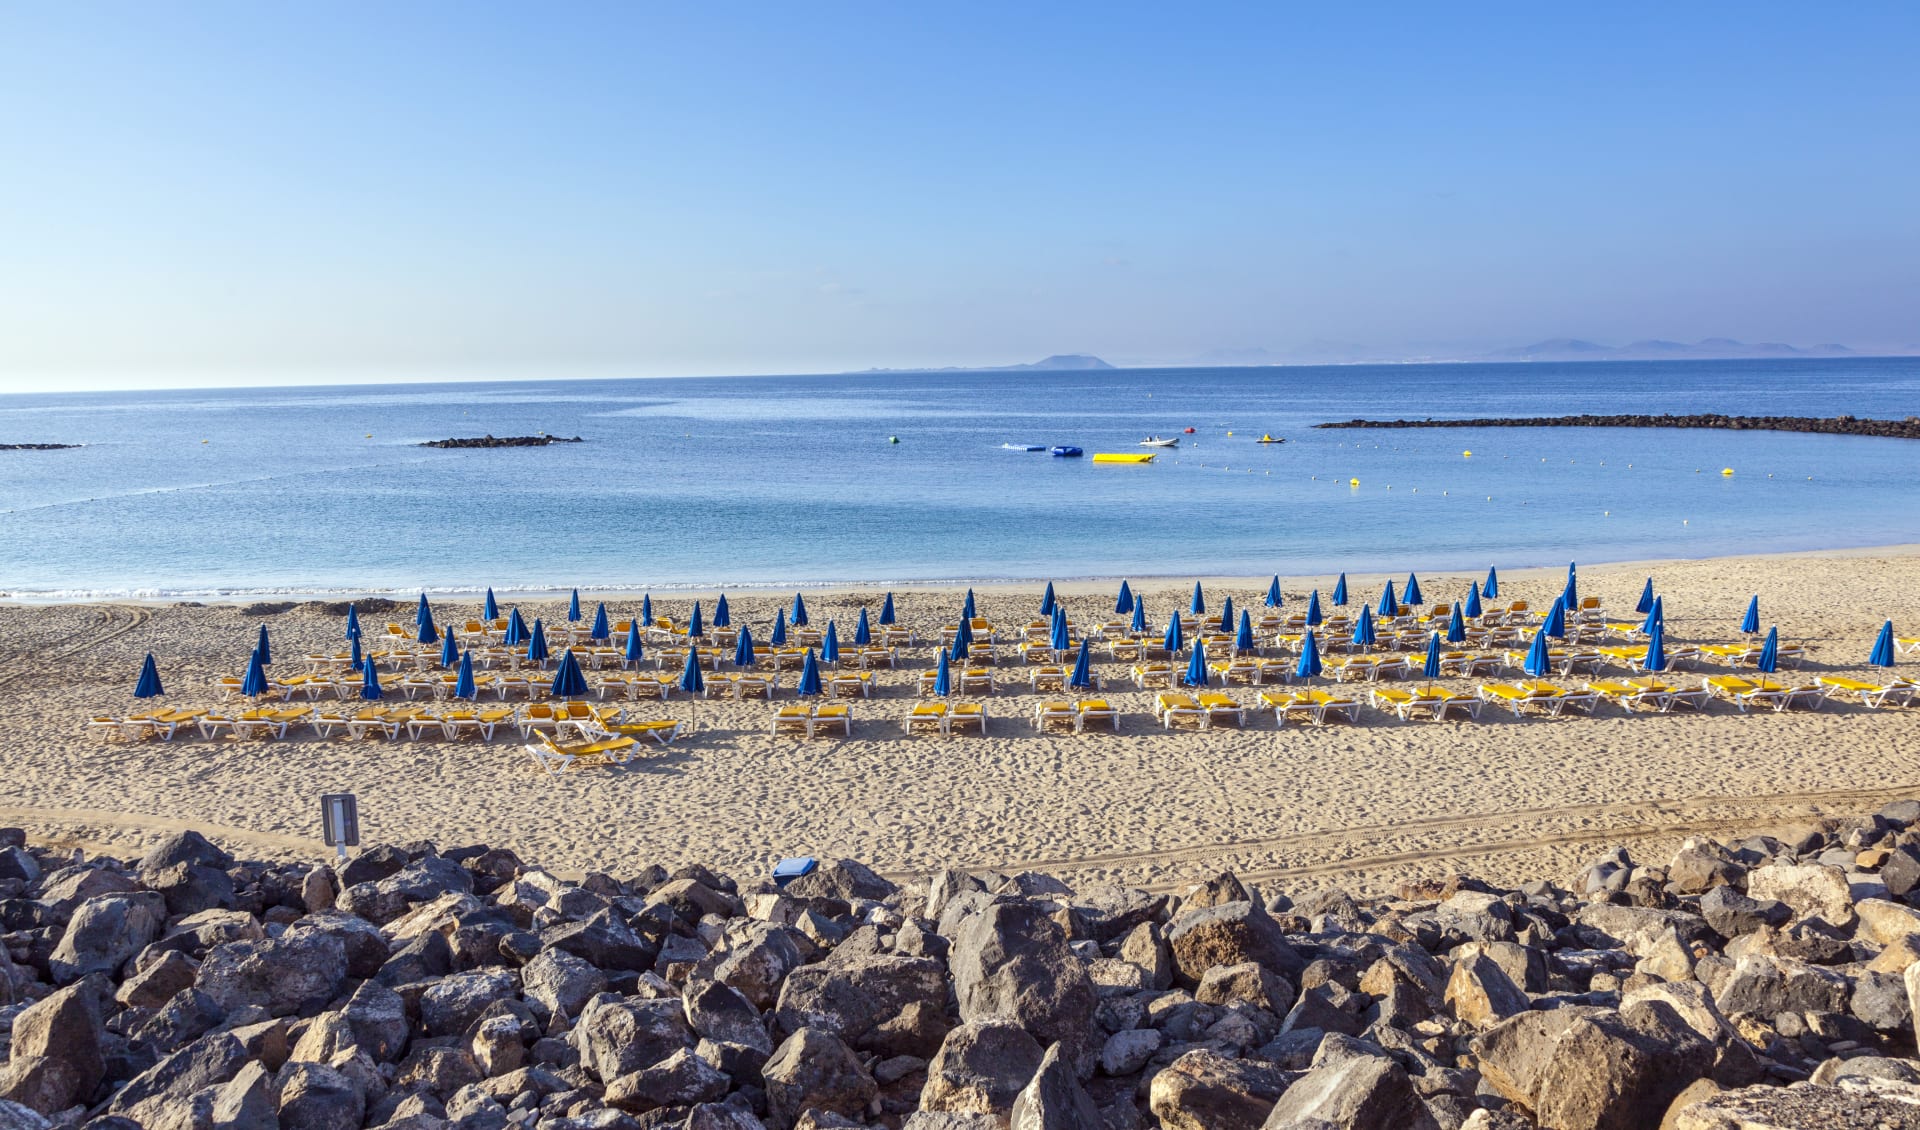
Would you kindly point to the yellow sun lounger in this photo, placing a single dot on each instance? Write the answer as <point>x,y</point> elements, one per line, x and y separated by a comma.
<point>964,714</point>
<point>927,716</point>
<point>1898,692</point>
<point>1095,710</point>
<point>1054,715</point>
<point>1220,707</point>
<point>1179,709</point>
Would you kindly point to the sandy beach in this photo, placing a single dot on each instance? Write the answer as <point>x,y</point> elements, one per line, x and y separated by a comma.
<point>1363,806</point>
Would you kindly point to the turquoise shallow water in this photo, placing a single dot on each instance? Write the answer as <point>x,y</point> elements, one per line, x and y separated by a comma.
<point>790,480</point>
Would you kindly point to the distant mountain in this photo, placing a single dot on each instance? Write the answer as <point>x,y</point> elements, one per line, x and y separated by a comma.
<point>1574,349</point>
<point>1059,362</point>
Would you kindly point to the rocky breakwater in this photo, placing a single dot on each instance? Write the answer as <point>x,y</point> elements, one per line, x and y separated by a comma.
<point>1754,984</point>
<point>1909,428</point>
<point>502,441</point>
<point>37,446</point>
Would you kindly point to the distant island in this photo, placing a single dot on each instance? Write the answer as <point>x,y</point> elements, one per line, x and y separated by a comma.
<point>1712,348</point>
<point>1059,362</point>
<point>502,441</point>
<point>1908,428</point>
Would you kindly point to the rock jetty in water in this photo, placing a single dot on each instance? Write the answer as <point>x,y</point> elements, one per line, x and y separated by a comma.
<point>502,441</point>
<point>1761,983</point>
<point>37,446</point>
<point>1908,428</point>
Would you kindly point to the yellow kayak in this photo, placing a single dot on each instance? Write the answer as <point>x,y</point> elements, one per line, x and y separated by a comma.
<point>1122,457</point>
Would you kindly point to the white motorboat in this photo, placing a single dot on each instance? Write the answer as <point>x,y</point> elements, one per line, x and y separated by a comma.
<point>1156,441</point>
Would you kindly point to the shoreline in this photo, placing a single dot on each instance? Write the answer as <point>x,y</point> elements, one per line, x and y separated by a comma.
<point>1078,585</point>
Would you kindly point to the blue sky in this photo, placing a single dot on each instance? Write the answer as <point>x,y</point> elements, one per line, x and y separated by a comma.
<point>203,193</point>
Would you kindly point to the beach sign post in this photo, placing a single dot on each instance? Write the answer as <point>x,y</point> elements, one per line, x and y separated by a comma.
<point>340,821</point>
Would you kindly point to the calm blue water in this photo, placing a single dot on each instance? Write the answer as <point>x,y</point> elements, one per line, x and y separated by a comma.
<point>742,481</point>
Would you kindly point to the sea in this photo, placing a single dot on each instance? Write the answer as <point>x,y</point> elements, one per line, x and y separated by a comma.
<point>878,478</point>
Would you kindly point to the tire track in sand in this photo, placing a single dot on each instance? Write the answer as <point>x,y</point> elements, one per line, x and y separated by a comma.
<point>116,620</point>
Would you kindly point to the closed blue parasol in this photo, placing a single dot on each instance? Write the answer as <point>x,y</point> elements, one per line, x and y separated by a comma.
<point>1309,664</point>
<point>1750,623</point>
<point>1389,606</point>
<point>1199,602</point>
<point>1057,632</point>
<point>1882,654</point>
<point>722,615</point>
<point>966,607</point>
<point>646,609</point>
<point>1411,593</point>
<point>449,651</point>
<point>1473,602</point>
<point>809,684</point>
<point>1273,592</point>
<point>353,623</point>
<point>1196,673</point>
<point>1363,632</point>
<point>1572,592</point>
<point>1491,589</point>
<point>490,609</point>
<point>423,622</point>
<point>1139,624</point>
<point>255,684</point>
<point>1340,592</point>
<point>695,629</point>
<point>537,643</point>
<point>1656,658</point>
<point>266,649</point>
<point>862,631</point>
<point>1646,598</point>
<point>149,684</point>
<point>1536,664</point>
<point>962,640</point>
<point>601,630</point>
<point>942,678</point>
<point>1769,658</point>
<point>799,613</point>
<point>1314,618</point>
<point>354,660</point>
<point>1226,615</point>
<point>1243,636</point>
<point>1172,638</point>
<point>743,656</point>
<point>464,687</point>
<point>1656,616</point>
<point>370,682</point>
<point>1556,622</point>
<point>573,608</point>
<point>690,680</point>
<point>634,638</point>
<point>1456,626</point>
<point>1123,603</point>
<point>1431,668</point>
<point>886,611</point>
<point>779,636</point>
<point>516,629</point>
<point>830,644</point>
<point>1082,677</point>
<point>568,681</point>
<point>1046,600</point>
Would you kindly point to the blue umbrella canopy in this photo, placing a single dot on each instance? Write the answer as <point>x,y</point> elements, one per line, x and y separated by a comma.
<point>778,638</point>
<point>966,607</point>
<point>1309,665</point>
<point>1139,625</point>
<point>1456,626</point>
<point>516,629</point>
<point>1536,664</point>
<point>255,684</point>
<point>1572,593</point>
<point>1655,616</point>
<point>799,613</point>
<point>537,643</point>
<point>1431,668</point>
<point>1226,615</point>
<point>1363,632</point>
<point>695,629</point>
<point>370,683</point>
<point>1473,601</point>
<point>646,609</point>
<point>1769,658</point>
<point>1082,677</point>
<point>1340,591</point>
<point>690,680</point>
<point>722,615</point>
<point>1057,634</point>
<point>1172,638</point>
<point>568,681</point>
<point>862,630</point>
<point>634,636</point>
<point>1199,602</point>
<point>1388,605</point>
<point>1750,623</point>
<point>1556,624</point>
<point>463,687</point>
<point>1656,659</point>
<point>449,651</point>
<point>573,608</point>
<point>1046,600</point>
<point>1196,674</point>
<point>1273,592</point>
<point>264,648</point>
<point>356,662</point>
<point>1646,598</point>
<point>1882,654</point>
<point>962,641</point>
<point>886,611</point>
<point>601,630</point>
<point>743,655</point>
<point>424,630</point>
<point>1411,593</point>
<point>809,684</point>
<point>830,645</point>
<point>1243,637</point>
<point>943,678</point>
<point>490,610</point>
<point>1314,618</point>
<point>353,623</point>
<point>149,684</point>
<point>1123,602</point>
<point>1491,589</point>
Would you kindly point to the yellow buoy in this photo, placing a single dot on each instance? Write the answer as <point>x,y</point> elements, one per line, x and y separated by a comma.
<point>369,435</point>
<point>1466,454</point>
<point>1353,482</point>
<point>1726,470</point>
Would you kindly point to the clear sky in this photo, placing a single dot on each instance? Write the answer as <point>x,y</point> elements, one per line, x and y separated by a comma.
<point>211,193</point>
